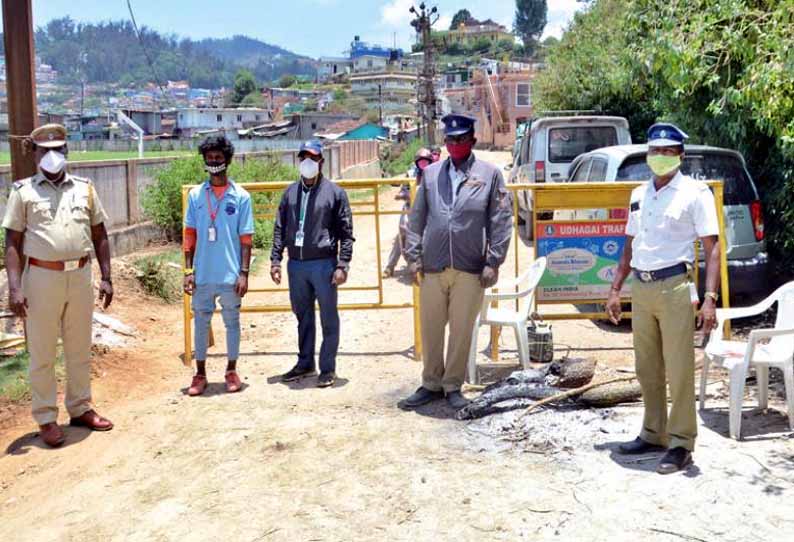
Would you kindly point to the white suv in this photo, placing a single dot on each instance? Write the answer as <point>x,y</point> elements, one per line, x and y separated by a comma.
<point>552,143</point>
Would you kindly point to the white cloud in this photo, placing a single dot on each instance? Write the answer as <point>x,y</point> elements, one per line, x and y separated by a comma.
<point>559,16</point>
<point>395,13</point>
<point>443,22</point>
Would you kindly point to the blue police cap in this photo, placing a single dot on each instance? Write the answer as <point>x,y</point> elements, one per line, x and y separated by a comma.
<point>455,125</point>
<point>663,134</point>
<point>313,146</point>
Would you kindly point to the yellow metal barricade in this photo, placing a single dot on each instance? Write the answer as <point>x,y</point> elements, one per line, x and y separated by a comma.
<point>367,207</point>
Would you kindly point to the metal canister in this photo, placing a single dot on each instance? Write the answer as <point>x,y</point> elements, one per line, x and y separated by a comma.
<point>541,341</point>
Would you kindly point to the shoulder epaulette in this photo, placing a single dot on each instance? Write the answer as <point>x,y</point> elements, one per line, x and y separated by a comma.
<point>19,184</point>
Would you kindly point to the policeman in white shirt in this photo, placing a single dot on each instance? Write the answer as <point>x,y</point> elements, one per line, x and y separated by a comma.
<point>666,216</point>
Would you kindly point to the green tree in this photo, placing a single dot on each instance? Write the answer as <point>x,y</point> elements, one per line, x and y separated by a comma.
<point>254,99</point>
<point>286,81</point>
<point>244,84</point>
<point>530,21</point>
<point>462,16</point>
<point>721,70</point>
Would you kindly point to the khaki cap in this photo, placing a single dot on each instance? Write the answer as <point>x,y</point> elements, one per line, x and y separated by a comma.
<point>49,135</point>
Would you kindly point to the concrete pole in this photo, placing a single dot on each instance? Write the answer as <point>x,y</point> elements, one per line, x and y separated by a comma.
<point>20,81</point>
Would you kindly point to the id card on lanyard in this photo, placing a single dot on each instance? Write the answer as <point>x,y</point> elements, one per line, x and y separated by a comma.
<point>302,219</point>
<point>212,233</point>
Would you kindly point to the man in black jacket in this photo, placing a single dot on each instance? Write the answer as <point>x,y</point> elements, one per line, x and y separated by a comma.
<point>315,224</point>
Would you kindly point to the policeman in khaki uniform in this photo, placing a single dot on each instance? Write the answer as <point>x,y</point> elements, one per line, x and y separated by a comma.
<point>666,216</point>
<point>57,218</point>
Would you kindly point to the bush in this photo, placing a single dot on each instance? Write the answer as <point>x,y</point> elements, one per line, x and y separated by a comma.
<point>162,201</point>
<point>158,278</point>
<point>401,157</point>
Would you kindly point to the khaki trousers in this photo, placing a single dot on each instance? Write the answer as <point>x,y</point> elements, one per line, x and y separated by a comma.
<point>455,297</point>
<point>60,303</point>
<point>663,323</point>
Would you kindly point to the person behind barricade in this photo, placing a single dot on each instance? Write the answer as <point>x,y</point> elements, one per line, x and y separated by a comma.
<point>458,235</point>
<point>315,224</point>
<point>666,216</point>
<point>219,227</point>
<point>422,159</point>
<point>53,219</point>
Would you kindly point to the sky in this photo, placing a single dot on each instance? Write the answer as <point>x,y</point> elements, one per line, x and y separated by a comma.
<point>309,27</point>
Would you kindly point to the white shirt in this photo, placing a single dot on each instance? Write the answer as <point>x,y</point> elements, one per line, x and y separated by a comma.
<point>665,224</point>
<point>457,178</point>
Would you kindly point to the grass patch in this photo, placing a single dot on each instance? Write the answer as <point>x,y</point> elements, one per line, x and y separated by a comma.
<point>261,256</point>
<point>158,278</point>
<point>91,156</point>
<point>14,382</point>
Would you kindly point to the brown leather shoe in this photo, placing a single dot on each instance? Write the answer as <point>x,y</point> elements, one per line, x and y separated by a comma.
<point>52,434</point>
<point>233,383</point>
<point>93,421</point>
<point>197,385</point>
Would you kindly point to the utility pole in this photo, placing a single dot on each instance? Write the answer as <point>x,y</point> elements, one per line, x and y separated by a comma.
<point>380,103</point>
<point>20,81</point>
<point>426,94</point>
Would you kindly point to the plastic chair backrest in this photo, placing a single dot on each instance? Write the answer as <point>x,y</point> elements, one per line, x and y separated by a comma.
<point>784,346</point>
<point>528,285</point>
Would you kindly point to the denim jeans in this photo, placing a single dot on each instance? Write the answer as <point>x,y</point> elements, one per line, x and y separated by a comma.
<point>310,281</point>
<point>203,307</point>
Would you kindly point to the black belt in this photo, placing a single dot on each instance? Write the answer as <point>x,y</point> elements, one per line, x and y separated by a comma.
<point>661,274</point>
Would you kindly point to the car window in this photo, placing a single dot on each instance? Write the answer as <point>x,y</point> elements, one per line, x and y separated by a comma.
<point>738,188</point>
<point>565,144</point>
<point>598,171</point>
<point>581,172</point>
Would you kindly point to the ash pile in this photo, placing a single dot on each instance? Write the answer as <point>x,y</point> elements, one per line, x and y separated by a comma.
<point>557,407</point>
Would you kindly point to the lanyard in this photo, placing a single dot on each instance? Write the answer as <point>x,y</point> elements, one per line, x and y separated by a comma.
<point>304,205</point>
<point>214,214</point>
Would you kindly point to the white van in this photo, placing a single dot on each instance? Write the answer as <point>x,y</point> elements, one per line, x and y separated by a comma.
<point>552,143</point>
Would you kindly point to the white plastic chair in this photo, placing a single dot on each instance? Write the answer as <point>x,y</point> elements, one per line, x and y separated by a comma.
<point>490,316</point>
<point>737,356</point>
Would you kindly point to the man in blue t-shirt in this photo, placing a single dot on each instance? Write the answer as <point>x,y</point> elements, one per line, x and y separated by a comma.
<point>219,226</point>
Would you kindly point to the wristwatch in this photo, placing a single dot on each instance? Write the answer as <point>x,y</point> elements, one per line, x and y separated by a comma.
<point>188,271</point>
<point>712,295</point>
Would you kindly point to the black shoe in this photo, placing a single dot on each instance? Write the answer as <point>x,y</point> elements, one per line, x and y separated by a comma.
<point>420,397</point>
<point>296,373</point>
<point>638,446</point>
<point>674,460</point>
<point>326,380</point>
<point>456,400</point>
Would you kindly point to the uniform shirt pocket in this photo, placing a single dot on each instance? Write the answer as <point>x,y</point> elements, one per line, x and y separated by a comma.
<point>80,210</point>
<point>41,212</point>
<point>675,221</point>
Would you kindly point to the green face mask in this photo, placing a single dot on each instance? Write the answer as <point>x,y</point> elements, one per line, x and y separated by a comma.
<point>662,165</point>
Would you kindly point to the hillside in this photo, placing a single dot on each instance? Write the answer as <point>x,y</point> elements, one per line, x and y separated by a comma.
<point>110,52</point>
<point>268,62</point>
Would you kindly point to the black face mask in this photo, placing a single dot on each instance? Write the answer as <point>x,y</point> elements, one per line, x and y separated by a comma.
<point>214,168</point>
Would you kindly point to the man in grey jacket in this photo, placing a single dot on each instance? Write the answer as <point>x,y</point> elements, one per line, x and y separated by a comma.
<point>458,235</point>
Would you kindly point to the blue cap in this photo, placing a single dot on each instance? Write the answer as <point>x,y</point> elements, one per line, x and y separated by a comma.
<point>663,134</point>
<point>455,125</point>
<point>313,146</point>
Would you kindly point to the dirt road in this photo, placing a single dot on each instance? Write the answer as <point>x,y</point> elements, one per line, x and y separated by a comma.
<point>295,463</point>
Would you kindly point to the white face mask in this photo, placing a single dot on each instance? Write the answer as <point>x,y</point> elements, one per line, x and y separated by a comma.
<point>53,162</point>
<point>309,168</point>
